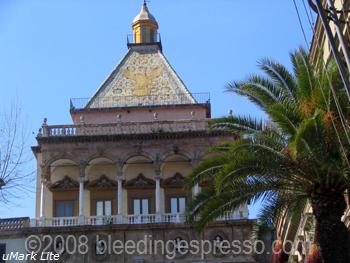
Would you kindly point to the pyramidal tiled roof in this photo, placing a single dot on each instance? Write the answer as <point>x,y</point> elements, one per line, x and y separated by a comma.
<point>144,77</point>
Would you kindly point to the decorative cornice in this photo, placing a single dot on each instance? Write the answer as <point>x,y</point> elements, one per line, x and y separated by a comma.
<point>176,181</point>
<point>112,109</point>
<point>140,182</point>
<point>126,137</point>
<point>102,183</point>
<point>66,183</point>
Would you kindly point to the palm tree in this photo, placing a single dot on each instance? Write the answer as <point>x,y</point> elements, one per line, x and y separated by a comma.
<point>300,155</point>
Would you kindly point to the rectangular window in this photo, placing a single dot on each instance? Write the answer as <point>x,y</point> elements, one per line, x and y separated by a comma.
<point>144,34</point>
<point>177,205</point>
<point>173,205</point>
<point>64,209</point>
<point>104,208</point>
<point>152,35</point>
<point>141,206</point>
<point>182,205</point>
<point>136,206</point>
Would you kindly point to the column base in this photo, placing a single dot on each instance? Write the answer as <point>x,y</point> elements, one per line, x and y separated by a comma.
<point>42,221</point>
<point>119,219</point>
<point>81,220</point>
<point>158,217</point>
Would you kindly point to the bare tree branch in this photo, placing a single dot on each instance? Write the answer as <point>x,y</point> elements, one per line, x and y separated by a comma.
<point>15,180</point>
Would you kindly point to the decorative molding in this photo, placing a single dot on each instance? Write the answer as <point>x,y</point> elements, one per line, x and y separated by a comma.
<point>66,183</point>
<point>131,137</point>
<point>140,182</point>
<point>102,183</point>
<point>143,75</point>
<point>176,181</point>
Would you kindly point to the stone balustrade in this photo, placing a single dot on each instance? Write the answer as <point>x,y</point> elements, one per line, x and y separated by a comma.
<point>55,221</point>
<point>127,219</point>
<point>123,128</point>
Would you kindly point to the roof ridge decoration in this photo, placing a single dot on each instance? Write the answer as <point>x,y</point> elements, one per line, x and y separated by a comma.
<point>144,77</point>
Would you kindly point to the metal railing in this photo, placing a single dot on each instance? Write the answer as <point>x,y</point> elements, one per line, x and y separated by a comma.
<point>139,101</point>
<point>130,38</point>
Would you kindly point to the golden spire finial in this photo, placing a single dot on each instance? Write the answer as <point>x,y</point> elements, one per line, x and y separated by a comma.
<point>145,26</point>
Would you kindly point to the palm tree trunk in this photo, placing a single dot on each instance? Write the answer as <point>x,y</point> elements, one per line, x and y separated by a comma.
<point>331,233</point>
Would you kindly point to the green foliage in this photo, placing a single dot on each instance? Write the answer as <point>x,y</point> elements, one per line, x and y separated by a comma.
<point>281,162</point>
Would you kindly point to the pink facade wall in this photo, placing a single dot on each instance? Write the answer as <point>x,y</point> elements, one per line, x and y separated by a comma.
<point>139,114</point>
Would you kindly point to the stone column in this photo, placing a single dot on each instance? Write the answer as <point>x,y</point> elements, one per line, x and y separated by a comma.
<point>120,199</point>
<point>45,176</point>
<point>42,202</point>
<point>81,197</point>
<point>42,198</point>
<point>196,189</point>
<point>81,219</point>
<point>158,197</point>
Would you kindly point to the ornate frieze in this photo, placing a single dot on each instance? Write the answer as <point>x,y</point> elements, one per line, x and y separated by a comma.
<point>176,181</point>
<point>102,183</point>
<point>66,183</point>
<point>140,182</point>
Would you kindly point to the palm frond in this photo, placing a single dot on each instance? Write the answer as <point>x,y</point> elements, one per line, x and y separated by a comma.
<point>281,77</point>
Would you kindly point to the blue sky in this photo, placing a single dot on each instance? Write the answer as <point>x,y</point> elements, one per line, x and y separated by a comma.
<point>54,50</point>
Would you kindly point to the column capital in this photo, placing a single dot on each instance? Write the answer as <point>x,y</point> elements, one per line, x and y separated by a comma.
<point>196,158</point>
<point>158,174</point>
<point>157,166</point>
<point>82,166</point>
<point>83,163</point>
<point>158,177</point>
<point>120,178</point>
<point>119,162</point>
<point>82,179</point>
<point>195,162</point>
<point>44,181</point>
<point>45,172</point>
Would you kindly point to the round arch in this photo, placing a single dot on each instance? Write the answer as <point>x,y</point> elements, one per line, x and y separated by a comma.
<point>136,164</point>
<point>63,167</point>
<point>100,166</point>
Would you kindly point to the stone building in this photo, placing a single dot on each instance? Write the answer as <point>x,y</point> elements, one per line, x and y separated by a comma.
<point>118,171</point>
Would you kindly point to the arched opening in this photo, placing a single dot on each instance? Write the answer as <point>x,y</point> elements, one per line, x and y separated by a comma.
<point>139,173</point>
<point>61,199</point>
<point>101,187</point>
<point>174,169</point>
